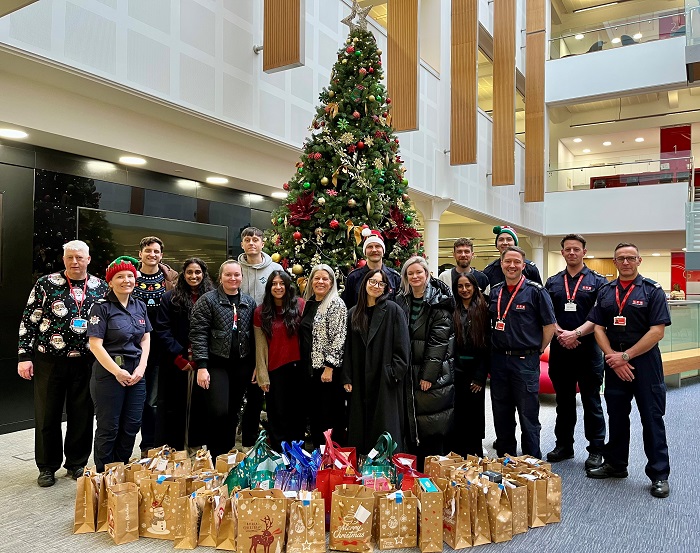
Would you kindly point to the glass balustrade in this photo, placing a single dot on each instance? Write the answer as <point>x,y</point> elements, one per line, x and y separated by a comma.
<point>619,33</point>
<point>625,171</point>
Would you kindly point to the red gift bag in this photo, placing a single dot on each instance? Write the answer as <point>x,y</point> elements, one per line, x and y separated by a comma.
<point>338,466</point>
<point>406,470</point>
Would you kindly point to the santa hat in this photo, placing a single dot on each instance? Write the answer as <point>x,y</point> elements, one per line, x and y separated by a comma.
<point>123,263</point>
<point>374,238</point>
<point>505,229</point>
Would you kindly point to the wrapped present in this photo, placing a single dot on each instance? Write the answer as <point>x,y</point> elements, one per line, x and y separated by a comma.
<point>123,512</point>
<point>430,499</point>
<point>262,520</point>
<point>352,508</point>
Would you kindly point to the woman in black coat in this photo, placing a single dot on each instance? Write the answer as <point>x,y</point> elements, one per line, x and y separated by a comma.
<point>472,356</point>
<point>174,425</point>
<point>428,304</point>
<point>377,351</point>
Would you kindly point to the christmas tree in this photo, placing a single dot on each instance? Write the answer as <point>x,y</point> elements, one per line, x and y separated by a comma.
<point>350,179</point>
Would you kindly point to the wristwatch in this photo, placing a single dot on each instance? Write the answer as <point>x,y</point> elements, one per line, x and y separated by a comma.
<point>625,356</point>
<point>578,333</point>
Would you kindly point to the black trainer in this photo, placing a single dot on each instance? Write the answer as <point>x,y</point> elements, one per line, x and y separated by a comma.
<point>659,488</point>
<point>560,453</point>
<point>606,471</point>
<point>75,473</point>
<point>46,479</point>
<point>594,461</point>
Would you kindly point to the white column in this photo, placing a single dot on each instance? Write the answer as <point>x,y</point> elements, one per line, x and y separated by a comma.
<point>537,243</point>
<point>432,210</point>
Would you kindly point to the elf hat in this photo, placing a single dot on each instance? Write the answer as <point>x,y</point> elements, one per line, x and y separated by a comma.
<point>505,229</point>
<point>374,238</point>
<point>123,263</point>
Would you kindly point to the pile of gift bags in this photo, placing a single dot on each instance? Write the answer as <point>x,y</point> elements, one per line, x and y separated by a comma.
<point>291,499</point>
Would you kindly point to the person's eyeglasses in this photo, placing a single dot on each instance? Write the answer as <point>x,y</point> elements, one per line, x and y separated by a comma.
<point>629,259</point>
<point>377,283</point>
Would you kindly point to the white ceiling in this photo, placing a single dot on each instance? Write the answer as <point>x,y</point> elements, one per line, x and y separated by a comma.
<point>623,141</point>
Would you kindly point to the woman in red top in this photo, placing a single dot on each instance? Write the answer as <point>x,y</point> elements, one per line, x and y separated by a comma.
<point>277,358</point>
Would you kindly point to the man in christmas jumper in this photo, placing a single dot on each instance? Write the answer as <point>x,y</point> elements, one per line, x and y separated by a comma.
<point>153,280</point>
<point>53,352</point>
<point>256,267</point>
<point>373,250</point>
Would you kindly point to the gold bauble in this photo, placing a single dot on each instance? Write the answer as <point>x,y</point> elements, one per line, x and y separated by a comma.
<point>322,201</point>
<point>331,94</point>
<point>324,181</point>
<point>352,202</point>
<point>276,257</point>
<point>297,269</point>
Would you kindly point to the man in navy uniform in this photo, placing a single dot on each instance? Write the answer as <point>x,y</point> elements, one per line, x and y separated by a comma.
<point>522,319</point>
<point>630,316</point>
<point>506,237</point>
<point>574,357</point>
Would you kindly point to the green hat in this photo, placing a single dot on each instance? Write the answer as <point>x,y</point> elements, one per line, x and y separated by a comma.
<point>505,229</point>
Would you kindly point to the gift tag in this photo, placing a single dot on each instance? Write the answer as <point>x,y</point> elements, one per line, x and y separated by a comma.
<point>162,465</point>
<point>500,325</point>
<point>620,321</point>
<point>265,485</point>
<point>570,306</point>
<point>372,453</point>
<point>338,464</point>
<point>231,459</point>
<point>290,494</point>
<point>362,514</point>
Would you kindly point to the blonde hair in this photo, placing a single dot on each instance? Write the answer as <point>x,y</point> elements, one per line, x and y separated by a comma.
<point>227,262</point>
<point>332,293</point>
<point>405,286</point>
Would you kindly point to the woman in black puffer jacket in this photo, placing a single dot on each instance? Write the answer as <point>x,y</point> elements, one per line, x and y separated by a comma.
<point>428,304</point>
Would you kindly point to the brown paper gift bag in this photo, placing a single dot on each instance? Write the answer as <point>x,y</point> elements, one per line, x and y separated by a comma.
<point>185,527</point>
<point>226,461</point>
<point>202,461</point>
<point>156,505</point>
<point>500,514</point>
<point>398,520</point>
<point>517,496</point>
<point>553,498</point>
<point>430,504</point>
<point>307,524</point>
<point>211,504</point>
<point>112,475</point>
<point>481,530</point>
<point>85,504</point>
<point>262,520</point>
<point>456,515</point>
<point>123,512</point>
<point>131,469</point>
<point>352,508</point>
<point>536,499</point>
<point>228,525</point>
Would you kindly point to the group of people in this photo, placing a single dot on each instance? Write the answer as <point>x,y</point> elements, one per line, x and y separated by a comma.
<point>404,352</point>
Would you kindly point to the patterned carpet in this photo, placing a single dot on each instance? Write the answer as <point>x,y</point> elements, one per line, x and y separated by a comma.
<point>610,515</point>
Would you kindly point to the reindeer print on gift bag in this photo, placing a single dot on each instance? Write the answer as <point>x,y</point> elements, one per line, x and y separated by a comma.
<point>262,519</point>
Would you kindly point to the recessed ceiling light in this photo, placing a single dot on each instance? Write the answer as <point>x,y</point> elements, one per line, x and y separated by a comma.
<point>186,184</point>
<point>579,36</point>
<point>607,143</point>
<point>595,7</point>
<point>637,36</point>
<point>590,256</point>
<point>132,160</point>
<point>684,249</point>
<point>280,195</point>
<point>616,40</point>
<point>95,165</point>
<point>217,180</point>
<point>577,140</point>
<point>656,254</point>
<point>639,139</point>
<point>586,151</point>
<point>12,133</point>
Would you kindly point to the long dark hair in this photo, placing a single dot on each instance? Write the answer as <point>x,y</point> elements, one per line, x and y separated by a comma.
<point>477,315</point>
<point>290,306</point>
<point>182,292</point>
<point>359,316</point>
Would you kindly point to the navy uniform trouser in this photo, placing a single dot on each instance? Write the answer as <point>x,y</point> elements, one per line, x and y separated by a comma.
<point>582,366</point>
<point>515,384</point>
<point>649,391</point>
<point>118,410</point>
<point>59,380</point>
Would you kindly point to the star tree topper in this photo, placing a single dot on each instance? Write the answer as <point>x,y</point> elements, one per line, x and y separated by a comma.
<point>362,13</point>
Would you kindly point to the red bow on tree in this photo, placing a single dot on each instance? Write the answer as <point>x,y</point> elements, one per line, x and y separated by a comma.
<point>302,209</point>
<point>400,232</point>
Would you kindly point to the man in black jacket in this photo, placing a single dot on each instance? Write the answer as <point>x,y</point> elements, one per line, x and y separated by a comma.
<point>506,237</point>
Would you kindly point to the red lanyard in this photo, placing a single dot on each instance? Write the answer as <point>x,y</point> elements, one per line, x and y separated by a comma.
<point>500,293</point>
<point>235,317</point>
<point>82,301</point>
<point>621,306</point>
<point>566,285</point>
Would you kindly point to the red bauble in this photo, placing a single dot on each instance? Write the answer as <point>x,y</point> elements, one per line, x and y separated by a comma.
<point>360,144</point>
<point>317,156</point>
<point>285,186</point>
<point>379,62</point>
<point>371,69</point>
<point>350,49</point>
<point>361,263</point>
<point>388,100</point>
<point>334,224</point>
<point>396,140</point>
<point>296,235</point>
<point>363,71</point>
<point>385,114</point>
<point>356,114</point>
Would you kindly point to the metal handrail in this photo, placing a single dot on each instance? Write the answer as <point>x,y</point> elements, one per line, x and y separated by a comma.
<point>596,165</point>
<point>635,22</point>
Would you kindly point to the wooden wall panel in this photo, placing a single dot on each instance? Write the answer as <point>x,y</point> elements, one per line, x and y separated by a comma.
<point>534,117</point>
<point>464,92</point>
<point>503,137</point>
<point>535,16</point>
<point>283,35</point>
<point>402,60</point>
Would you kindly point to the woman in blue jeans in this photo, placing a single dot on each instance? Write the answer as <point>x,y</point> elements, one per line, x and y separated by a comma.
<point>119,334</point>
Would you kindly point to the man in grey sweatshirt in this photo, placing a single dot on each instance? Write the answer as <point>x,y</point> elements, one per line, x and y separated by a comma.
<point>256,267</point>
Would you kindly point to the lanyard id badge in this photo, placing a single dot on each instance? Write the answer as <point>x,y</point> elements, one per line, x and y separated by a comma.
<point>235,317</point>
<point>500,319</point>
<point>570,305</point>
<point>620,319</point>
